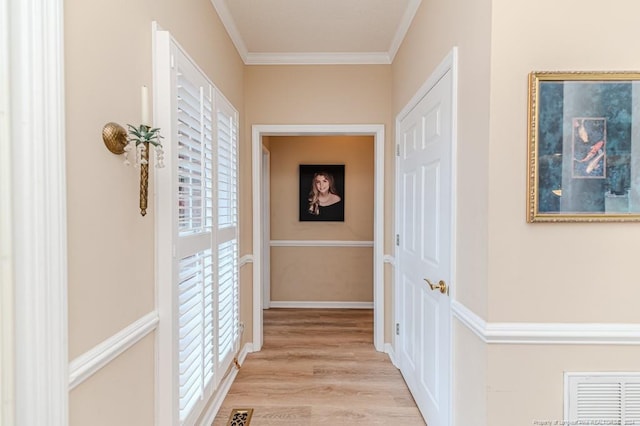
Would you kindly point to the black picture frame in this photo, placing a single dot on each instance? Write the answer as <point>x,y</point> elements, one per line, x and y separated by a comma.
<point>313,211</point>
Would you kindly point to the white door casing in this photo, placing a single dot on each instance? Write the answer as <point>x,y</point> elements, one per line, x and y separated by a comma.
<point>377,131</point>
<point>425,212</point>
<point>266,228</point>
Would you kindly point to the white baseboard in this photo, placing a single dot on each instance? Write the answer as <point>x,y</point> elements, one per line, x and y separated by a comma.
<point>320,305</point>
<point>319,243</point>
<point>87,364</point>
<point>223,390</point>
<point>546,333</point>
<point>388,349</point>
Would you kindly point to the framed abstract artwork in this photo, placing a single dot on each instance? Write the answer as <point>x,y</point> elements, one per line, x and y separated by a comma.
<point>583,147</point>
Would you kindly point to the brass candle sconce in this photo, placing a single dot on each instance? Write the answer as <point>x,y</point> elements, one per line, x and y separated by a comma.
<point>141,138</point>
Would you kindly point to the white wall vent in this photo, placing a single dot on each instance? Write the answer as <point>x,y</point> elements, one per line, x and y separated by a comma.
<point>602,398</point>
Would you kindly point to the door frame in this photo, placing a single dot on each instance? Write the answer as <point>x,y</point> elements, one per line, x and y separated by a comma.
<point>448,64</point>
<point>266,228</point>
<point>375,130</point>
<point>35,264</point>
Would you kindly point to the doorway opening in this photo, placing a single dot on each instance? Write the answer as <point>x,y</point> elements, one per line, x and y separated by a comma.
<point>261,216</point>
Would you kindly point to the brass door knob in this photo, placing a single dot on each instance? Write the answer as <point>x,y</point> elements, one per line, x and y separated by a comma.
<point>442,286</point>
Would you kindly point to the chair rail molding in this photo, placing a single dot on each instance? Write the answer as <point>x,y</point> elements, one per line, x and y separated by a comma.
<point>546,333</point>
<point>247,258</point>
<point>87,364</point>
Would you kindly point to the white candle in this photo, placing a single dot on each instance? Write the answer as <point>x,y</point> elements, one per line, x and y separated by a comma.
<point>145,106</point>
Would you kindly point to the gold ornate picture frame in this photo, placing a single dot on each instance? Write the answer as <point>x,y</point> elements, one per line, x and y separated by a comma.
<point>583,147</point>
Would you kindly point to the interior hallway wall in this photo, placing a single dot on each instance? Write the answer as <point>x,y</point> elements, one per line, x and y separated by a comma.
<point>108,57</point>
<point>326,94</point>
<point>317,274</point>
<point>510,271</point>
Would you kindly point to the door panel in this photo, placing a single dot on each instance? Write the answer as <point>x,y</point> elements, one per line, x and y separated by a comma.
<point>424,174</point>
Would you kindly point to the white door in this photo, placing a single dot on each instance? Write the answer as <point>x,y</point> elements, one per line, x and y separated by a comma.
<point>424,252</point>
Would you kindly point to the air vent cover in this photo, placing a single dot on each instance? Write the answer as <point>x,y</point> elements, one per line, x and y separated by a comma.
<point>602,398</point>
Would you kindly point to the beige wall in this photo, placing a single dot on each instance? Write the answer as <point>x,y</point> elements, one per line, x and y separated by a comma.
<point>508,270</point>
<point>324,94</point>
<point>553,272</point>
<point>548,272</point>
<point>322,273</point>
<point>111,247</point>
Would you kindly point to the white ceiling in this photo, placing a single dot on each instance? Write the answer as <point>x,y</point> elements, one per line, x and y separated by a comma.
<point>317,31</point>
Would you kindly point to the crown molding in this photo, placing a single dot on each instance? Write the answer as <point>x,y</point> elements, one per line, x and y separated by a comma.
<point>403,28</point>
<point>319,58</point>
<point>230,25</point>
<point>315,58</point>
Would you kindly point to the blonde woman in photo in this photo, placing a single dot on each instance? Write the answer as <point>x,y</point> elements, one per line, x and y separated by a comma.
<point>324,200</point>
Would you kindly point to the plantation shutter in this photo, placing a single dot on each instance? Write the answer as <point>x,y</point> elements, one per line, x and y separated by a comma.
<point>196,259</point>
<point>196,236</point>
<point>227,232</point>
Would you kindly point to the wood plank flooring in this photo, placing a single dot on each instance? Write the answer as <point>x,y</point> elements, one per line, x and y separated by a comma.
<point>319,367</point>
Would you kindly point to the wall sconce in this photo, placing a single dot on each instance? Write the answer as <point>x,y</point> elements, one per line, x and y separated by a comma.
<point>120,141</point>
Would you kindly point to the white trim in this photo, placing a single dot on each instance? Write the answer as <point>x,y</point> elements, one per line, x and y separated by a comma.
<point>546,333</point>
<point>166,353</point>
<point>247,258</point>
<point>299,304</point>
<point>320,243</point>
<point>389,259</point>
<point>377,130</point>
<point>469,319</point>
<point>407,18</point>
<point>230,25</point>
<point>265,200</point>
<point>87,364</point>
<point>318,58</point>
<point>450,62</point>
<point>389,350</point>
<point>7,325</point>
<point>7,347</point>
<point>223,389</point>
<point>36,67</point>
<point>315,58</point>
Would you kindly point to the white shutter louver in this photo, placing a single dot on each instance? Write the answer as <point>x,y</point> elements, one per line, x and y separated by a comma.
<point>227,237</point>
<point>227,170</point>
<point>227,294</point>
<point>195,203</point>
<point>195,295</point>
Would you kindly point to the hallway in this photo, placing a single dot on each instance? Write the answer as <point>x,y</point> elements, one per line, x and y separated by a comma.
<point>319,367</point>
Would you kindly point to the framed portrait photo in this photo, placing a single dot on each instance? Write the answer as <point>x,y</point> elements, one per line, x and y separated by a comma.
<point>322,193</point>
<point>584,147</point>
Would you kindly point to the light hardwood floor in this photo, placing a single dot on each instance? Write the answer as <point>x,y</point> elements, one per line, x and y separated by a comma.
<point>319,367</point>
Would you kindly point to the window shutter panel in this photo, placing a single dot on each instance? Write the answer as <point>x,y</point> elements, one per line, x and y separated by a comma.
<point>198,239</point>
<point>227,235</point>
<point>196,283</point>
